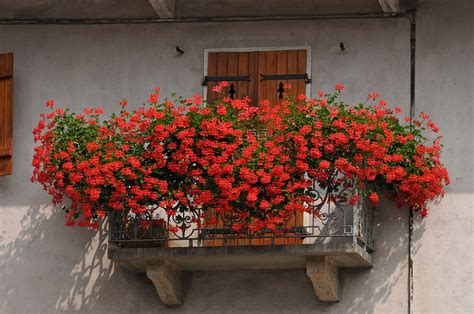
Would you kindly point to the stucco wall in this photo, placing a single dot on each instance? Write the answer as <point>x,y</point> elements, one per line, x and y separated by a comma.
<point>47,267</point>
<point>443,243</point>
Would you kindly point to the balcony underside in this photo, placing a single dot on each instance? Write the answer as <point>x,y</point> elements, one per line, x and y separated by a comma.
<point>164,265</point>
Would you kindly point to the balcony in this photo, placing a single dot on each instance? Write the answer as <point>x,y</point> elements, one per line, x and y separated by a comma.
<point>335,235</point>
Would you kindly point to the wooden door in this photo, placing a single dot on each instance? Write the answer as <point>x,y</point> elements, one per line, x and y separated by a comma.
<point>6,114</point>
<point>258,65</point>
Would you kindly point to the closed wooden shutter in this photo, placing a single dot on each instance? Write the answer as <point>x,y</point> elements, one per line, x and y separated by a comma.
<point>222,64</point>
<point>6,114</point>
<point>281,62</point>
<point>256,64</point>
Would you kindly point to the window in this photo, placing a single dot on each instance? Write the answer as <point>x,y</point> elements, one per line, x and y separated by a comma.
<point>6,113</point>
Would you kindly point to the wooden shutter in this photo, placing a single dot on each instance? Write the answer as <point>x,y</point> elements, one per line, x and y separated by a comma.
<point>6,113</point>
<point>233,64</point>
<point>281,62</point>
<point>256,64</point>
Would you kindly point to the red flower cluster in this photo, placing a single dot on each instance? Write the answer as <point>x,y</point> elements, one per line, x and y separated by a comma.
<point>256,165</point>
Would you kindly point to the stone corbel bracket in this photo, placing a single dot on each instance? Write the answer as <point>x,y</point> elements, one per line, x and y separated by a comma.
<point>324,275</point>
<point>168,281</point>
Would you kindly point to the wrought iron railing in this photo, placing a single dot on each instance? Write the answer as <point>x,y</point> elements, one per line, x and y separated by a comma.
<point>329,220</point>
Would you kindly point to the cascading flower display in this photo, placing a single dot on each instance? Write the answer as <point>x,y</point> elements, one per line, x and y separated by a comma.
<point>256,165</point>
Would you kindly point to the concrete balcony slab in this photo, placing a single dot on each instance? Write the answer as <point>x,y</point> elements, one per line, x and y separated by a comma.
<point>322,261</point>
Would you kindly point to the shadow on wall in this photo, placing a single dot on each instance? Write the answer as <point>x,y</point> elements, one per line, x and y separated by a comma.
<point>385,287</point>
<point>40,263</point>
<point>52,268</point>
<point>49,267</point>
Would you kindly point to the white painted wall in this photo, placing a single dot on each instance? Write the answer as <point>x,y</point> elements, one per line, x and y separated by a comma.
<point>46,267</point>
<point>443,260</point>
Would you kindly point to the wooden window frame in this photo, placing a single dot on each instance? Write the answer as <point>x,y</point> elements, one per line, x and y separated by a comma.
<point>252,49</point>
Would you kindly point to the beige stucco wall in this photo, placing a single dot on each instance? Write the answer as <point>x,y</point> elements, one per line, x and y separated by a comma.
<point>46,267</point>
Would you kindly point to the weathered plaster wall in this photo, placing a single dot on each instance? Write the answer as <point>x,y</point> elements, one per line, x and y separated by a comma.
<point>443,259</point>
<point>46,267</point>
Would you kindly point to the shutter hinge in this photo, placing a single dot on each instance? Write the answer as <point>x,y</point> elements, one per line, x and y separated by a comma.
<point>208,79</point>
<point>276,77</point>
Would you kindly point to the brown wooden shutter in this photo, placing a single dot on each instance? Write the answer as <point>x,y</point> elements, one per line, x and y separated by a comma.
<point>6,114</point>
<point>233,64</point>
<point>255,64</point>
<point>280,62</point>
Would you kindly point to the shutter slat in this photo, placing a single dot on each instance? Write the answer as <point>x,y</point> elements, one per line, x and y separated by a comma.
<point>253,85</point>
<point>301,69</point>
<point>293,68</point>
<point>243,87</point>
<point>262,68</point>
<point>282,68</point>
<point>211,71</point>
<point>233,70</point>
<point>271,67</point>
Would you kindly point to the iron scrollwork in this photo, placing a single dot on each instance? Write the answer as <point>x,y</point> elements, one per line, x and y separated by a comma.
<point>185,221</point>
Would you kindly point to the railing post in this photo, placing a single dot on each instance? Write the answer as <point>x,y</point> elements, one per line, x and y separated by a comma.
<point>355,220</point>
<point>112,225</point>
